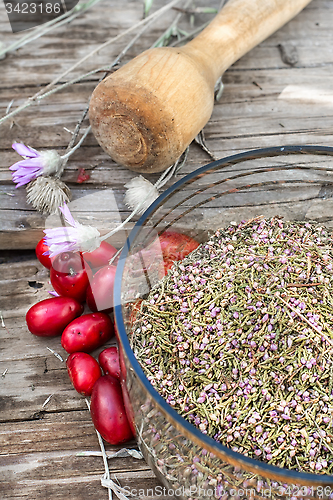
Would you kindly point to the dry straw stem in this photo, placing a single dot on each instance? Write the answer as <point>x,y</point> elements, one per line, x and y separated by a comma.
<point>105,459</point>
<point>65,18</point>
<point>56,354</point>
<point>124,452</point>
<point>45,90</point>
<point>106,69</point>
<point>162,180</point>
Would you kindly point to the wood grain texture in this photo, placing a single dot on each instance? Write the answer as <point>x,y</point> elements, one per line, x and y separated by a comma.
<point>39,444</point>
<point>266,102</point>
<point>254,111</point>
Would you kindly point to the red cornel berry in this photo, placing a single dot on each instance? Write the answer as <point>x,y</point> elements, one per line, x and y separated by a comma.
<point>108,411</point>
<point>87,333</point>
<point>101,256</point>
<point>41,248</point>
<point>109,361</point>
<point>69,275</point>
<point>50,316</point>
<point>100,290</point>
<point>84,371</point>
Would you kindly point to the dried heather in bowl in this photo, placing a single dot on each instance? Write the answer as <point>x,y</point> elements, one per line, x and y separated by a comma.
<point>238,338</point>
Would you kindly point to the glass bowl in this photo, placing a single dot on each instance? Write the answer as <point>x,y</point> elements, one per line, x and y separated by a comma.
<point>295,182</point>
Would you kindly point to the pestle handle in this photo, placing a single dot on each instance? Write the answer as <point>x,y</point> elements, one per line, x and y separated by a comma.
<point>145,114</point>
<point>237,28</point>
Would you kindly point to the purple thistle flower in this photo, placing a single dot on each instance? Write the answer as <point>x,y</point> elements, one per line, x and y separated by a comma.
<point>71,239</point>
<point>35,163</point>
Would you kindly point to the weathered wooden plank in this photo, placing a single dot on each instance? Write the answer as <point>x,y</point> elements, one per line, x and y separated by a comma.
<point>71,430</point>
<point>59,49</point>
<point>39,445</point>
<point>266,102</point>
<point>313,22</point>
<point>32,372</point>
<point>84,486</point>
<point>270,109</point>
<point>62,474</point>
<point>256,110</point>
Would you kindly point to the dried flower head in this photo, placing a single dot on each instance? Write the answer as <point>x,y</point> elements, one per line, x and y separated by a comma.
<point>72,238</point>
<point>35,163</point>
<point>46,194</point>
<point>140,192</point>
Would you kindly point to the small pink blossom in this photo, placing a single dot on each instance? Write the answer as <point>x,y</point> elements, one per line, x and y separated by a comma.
<point>35,163</point>
<point>73,238</point>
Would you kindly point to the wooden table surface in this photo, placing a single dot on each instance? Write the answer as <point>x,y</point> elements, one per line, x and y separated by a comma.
<point>278,94</point>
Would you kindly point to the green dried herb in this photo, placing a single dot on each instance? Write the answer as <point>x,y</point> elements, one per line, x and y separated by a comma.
<point>238,338</point>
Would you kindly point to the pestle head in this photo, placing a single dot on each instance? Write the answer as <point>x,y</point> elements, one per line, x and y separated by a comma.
<point>145,114</point>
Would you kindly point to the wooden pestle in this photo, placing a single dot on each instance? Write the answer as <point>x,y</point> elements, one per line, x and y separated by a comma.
<point>145,114</point>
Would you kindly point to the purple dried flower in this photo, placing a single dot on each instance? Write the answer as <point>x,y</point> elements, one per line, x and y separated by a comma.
<point>35,163</point>
<point>70,239</point>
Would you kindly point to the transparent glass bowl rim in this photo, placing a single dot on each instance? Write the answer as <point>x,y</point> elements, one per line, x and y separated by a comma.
<point>189,430</point>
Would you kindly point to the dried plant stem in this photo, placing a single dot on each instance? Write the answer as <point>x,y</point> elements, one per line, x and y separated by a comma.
<point>189,36</point>
<point>75,133</point>
<point>118,490</point>
<point>106,69</point>
<point>163,179</point>
<point>67,17</point>
<point>193,33</point>
<point>72,150</point>
<point>302,317</point>
<point>124,452</point>
<point>48,87</point>
<point>166,34</point>
<point>105,459</point>
<point>56,354</point>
